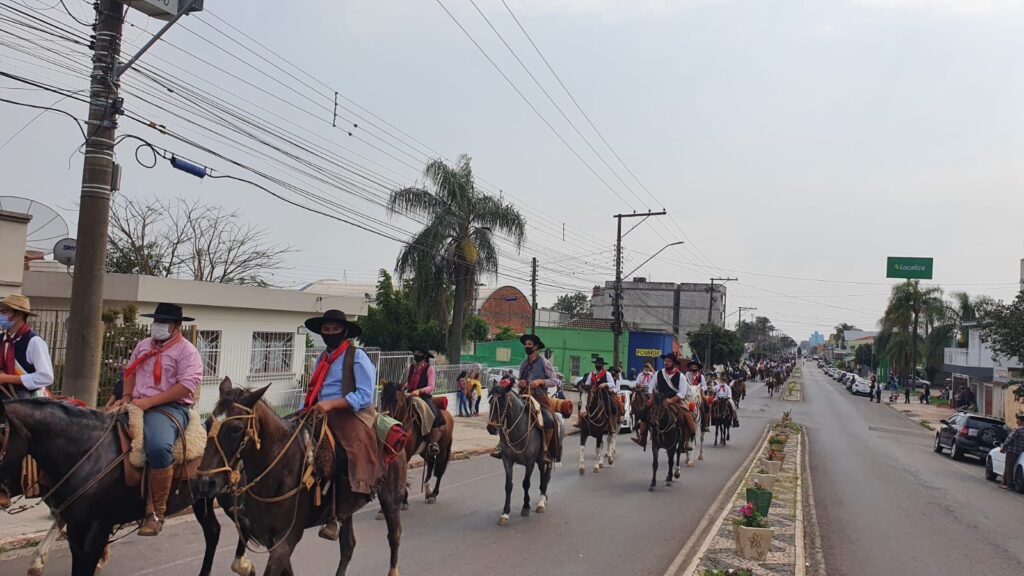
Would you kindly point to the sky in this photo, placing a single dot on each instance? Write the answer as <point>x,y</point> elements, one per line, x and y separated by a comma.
<point>794,145</point>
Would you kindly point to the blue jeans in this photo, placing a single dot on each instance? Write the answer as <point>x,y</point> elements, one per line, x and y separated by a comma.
<point>463,403</point>
<point>160,433</point>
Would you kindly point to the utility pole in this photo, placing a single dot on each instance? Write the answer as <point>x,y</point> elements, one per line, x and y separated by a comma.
<point>743,309</point>
<point>617,298</point>
<point>85,327</point>
<point>533,296</point>
<point>711,304</point>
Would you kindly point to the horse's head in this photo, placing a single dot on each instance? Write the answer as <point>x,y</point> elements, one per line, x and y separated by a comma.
<point>391,397</point>
<point>234,426</point>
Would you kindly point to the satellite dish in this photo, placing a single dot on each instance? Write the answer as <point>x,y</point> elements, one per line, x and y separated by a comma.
<point>64,251</point>
<point>46,227</point>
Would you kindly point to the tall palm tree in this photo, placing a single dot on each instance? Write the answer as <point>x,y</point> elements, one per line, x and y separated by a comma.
<point>908,306</point>
<point>839,336</point>
<point>456,246</point>
<point>967,309</point>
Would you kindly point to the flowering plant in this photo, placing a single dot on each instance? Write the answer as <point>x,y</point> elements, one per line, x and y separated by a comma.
<point>773,455</point>
<point>749,517</point>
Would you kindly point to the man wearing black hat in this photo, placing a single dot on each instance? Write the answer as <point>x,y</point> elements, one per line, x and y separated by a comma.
<point>161,379</point>
<point>419,382</point>
<point>668,385</point>
<point>536,374</point>
<point>342,388</point>
<point>600,378</point>
<point>695,376</point>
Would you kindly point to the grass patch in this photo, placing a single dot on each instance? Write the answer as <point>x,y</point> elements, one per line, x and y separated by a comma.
<point>926,424</point>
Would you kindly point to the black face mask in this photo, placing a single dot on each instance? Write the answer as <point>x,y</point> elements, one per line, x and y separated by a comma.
<point>333,340</point>
<point>529,350</point>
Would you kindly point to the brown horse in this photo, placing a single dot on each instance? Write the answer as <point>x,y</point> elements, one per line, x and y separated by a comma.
<point>739,391</point>
<point>772,384</point>
<point>276,504</point>
<point>396,403</point>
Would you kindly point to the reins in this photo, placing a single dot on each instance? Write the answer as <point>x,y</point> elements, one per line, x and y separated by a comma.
<point>506,430</point>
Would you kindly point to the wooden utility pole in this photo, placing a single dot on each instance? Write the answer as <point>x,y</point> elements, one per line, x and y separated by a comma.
<point>617,298</point>
<point>85,327</point>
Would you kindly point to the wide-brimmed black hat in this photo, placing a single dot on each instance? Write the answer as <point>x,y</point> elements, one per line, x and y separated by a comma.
<point>532,338</point>
<point>693,363</point>
<point>167,313</point>
<point>670,355</point>
<point>315,323</point>
<point>599,360</point>
<point>426,353</point>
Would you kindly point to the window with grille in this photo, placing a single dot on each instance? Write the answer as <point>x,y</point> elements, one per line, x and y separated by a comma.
<point>271,353</point>
<point>208,344</point>
<point>574,365</point>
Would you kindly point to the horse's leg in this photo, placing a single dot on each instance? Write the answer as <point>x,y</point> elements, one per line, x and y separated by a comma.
<point>583,460</point>
<point>599,462</point>
<point>394,536</point>
<point>347,544</point>
<point>670,452</point>
<point>612,437</point>
<point>203,511</point>
<point>700,456</point>
<point>279,561</point>
<point>87,544</point>
<point>545,478</point>
<point>42,551</point>
<point>503,519</point>
<point>242,565</point>
<point>526,488</point>
<point>429,464</point>
<point>654,465</point>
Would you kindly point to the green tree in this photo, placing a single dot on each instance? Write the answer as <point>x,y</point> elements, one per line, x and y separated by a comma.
<point>910,316</point>
<point>506,333</point>
<point>456,246</point>
<point>391,323</point>
<point>725,344</point>
<point>839,336</point>
<point>864,355</point>
<point>475,329</point>
<point>574,304</point>
<point>1002,327</point>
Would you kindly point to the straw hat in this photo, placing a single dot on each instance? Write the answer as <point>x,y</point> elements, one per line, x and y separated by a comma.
<point>18,303</point>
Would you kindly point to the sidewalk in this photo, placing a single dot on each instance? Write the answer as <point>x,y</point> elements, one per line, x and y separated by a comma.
<point>924,414</point>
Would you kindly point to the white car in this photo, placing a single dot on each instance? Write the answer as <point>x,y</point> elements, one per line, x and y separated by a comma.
<point>995,466</point>
<point>626,394</point>
<point>860,386</point>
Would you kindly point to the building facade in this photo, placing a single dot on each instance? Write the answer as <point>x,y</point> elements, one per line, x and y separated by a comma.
<point>504,306</point>
<point>987,375</point>
<point>663,306</point>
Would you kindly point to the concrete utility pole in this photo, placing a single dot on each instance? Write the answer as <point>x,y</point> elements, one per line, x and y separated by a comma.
<point>617,298</point>
<point>533,296</point>
<point>711,304</point>
<point>85,327</point>
<point>739,321</point>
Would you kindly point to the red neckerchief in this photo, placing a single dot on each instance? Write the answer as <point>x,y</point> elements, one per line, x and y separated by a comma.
<point>320,374</point>
<point>154,351</point>
<point>597,377</point>
<point>10,364</point>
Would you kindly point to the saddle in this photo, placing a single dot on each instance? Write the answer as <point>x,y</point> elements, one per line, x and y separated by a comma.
<point>188,448</point>
<point>425,413</point>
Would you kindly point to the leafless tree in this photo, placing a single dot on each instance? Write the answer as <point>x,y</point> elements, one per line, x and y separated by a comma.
<point>188,239</point>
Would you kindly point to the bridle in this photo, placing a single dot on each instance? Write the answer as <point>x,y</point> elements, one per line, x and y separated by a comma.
<point>232,465</point>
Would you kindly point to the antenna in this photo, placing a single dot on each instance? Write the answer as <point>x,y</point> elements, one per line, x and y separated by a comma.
<point>46,227</point>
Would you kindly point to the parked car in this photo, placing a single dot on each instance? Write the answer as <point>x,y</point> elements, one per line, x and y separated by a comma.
<point>969,434</point>
<point>995,465</point>
<point>860,386</point>
<point>626,394</point>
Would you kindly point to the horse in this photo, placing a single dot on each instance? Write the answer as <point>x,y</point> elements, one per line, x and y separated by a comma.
<point>739,391</point>
<point>637,404</point>
<point>721,419</point>
<point>702,418</point>
<point>396,403</point>
<point>521,440</point>
<point>665,435</point>
<point>79,457</point>
<point>771,385</point>
<point>247,434</point>
<point>602,419</point>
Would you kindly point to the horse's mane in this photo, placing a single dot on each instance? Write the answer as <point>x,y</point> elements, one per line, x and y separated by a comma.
<point>79,415</point>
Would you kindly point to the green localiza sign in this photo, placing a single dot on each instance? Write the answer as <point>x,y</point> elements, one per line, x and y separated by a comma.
<point>909,268</point>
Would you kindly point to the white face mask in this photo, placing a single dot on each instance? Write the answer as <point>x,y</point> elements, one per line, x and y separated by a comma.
<point>160,331</point>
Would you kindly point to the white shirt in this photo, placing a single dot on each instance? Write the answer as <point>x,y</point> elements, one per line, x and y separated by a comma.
<point>723,390</point>
<point>38,354</point>
<point>645,380</point>
<point>690,377</point>
<point>612,384</point>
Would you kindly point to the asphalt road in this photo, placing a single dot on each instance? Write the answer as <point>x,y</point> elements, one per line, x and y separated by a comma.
<point>594,524</point>
<point>887,504</point>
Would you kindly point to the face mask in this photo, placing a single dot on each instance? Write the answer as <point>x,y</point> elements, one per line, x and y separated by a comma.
<point>6,322</point>
<point>529,350</point>
<point>334,340</point>
<point>418,357</point>
<point>160,331</point>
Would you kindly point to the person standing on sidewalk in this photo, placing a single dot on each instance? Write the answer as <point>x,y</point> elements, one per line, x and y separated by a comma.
<point>906,393</point>
<point>1012,447</point>
<point>878,389</point>
<point>460,393</point>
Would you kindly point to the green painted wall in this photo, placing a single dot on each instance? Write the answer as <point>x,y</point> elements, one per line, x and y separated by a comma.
<point>564,344</point>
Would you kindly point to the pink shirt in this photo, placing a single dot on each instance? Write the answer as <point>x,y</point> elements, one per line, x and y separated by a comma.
<point>181,364</point>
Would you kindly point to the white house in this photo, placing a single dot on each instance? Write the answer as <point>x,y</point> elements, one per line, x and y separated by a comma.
<point>253,335</point>
<point>985,373</point>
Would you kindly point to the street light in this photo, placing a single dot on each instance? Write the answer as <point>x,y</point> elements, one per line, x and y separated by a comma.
<point>663,248</point>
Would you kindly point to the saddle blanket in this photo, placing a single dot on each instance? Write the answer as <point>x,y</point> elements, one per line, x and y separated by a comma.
<point>195,438</point>
<point>426,414</point>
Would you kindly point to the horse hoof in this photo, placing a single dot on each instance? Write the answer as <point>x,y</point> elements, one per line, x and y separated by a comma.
<point>380,516</point>
<point>611,462</point>
<point>701,457</point>
<point>404,506</point>
<point>35,571</point>
<point>689,463</point>
<point>597,469</point>
<point>540,509</point>
<point>525,511</point>
<point>650,488</point>
<point>503,520</point>
<point>431,499</point>
<point>668,482</point>
<point>393,572</point>
<point>677,474</point>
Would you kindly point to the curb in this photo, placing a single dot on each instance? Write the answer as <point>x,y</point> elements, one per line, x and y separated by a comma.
<point>728,491</point>
<point>801,554</point>
<point>817,567</point>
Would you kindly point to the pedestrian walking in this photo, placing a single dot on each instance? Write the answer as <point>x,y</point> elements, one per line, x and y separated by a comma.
<point>878,392</point>
<point>906,394</point>
<point>460,393</point>
<point>926,394</point>
<point>1012,447</point>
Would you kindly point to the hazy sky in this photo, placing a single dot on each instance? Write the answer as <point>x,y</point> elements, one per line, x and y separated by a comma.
<point>795,144</point>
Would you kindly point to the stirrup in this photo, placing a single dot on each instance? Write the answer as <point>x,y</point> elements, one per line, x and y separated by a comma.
<point>496,453</point>
<point>433,449</point>
<point>329,531</point>
<point>151,526</point>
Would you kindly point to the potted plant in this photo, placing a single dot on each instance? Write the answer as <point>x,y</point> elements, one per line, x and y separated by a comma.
<point>753,536</point>
<point>760,498</point>
<point>763,479</point>
<point>777,441</point>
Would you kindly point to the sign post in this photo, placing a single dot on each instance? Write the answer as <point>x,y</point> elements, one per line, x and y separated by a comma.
<point>909,268</point>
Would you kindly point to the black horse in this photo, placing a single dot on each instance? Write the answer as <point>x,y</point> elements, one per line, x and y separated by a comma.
<point>665,435</point>
<point>521,439</point>
<point>78,453</point>
<point>721,419</point>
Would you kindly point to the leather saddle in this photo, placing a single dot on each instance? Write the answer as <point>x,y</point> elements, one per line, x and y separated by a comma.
<point>133,474</point>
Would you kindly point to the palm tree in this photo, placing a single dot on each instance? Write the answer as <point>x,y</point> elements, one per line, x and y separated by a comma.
<point>909,304</point>
<point>456,246</point>
<point>967,309</point>
<point>839,336</point>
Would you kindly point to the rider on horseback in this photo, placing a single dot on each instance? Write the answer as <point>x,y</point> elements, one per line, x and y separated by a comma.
<point>723,390</point>
<point>25,365</point>
<point>161,379</point>
<point>668,386</point>
<point>694,376</point>
<point>342,388</point>
<point>419,381</point>
<point>599,378</point>
<point>536,373</point>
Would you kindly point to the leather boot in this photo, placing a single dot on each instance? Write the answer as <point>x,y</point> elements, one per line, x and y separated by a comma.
<point>547,455</point>
<point>433,448</point>
<point>156,503</point>
<point>496,453</point>
<point>641,439</point>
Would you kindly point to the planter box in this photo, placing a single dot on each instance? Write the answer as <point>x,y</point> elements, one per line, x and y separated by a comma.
<point>766,481</point>
<point>777,447</point>
<point>753,543</point>
<point>773,466</point>
<point>762,500</point>
<point>779,457</point>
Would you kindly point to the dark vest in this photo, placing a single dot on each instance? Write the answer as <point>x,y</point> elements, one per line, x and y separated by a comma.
<point>595,382</point>
<point>534,371</point>
<point>664,387</point>
<point>423,378</point>
<point>20,353</point>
